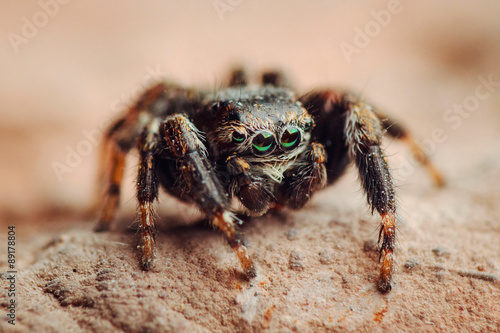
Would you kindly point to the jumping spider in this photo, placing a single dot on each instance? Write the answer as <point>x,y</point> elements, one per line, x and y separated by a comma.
<point>260,144</point>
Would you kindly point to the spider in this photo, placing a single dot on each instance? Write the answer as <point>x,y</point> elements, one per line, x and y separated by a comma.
<point>261,145</point>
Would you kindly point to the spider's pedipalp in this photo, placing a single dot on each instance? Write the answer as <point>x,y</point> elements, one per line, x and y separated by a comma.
<point>304,179</point>
<point>252,190</point>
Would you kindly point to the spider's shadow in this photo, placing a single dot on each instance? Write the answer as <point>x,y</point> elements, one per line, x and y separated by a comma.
<point>177,225</point>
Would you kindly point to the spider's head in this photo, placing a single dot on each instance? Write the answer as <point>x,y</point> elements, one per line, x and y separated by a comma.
<point>261,123</point>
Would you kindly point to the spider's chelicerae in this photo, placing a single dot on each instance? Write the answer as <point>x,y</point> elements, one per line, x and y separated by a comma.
<point>261,144</point>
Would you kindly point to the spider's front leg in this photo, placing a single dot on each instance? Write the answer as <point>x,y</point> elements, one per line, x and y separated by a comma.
<point>363,133</point>
<point>147,190</point>
<point>350,130</point>
<point>201,184</point>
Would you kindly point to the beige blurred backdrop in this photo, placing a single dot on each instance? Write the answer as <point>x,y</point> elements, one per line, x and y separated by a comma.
<point>67,67</point>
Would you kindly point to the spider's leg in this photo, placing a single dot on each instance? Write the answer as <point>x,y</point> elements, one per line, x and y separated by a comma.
<point>201,184</point>
<point>147,190</point>
<point>398,131</point>
<point>363,133</point>
<point>112,155</point>
<point>350,130</point>
<point>122,135</point>
<point>275,78</point>
<point>238,77</point>
<point>118,140</point>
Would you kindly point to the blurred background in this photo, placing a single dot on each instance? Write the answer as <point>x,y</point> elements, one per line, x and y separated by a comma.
<point>68,67</point>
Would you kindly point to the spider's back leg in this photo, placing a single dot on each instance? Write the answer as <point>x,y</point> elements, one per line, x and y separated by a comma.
<point>113,151</point>
<point>398,131</point>
<point>275,78</point>
<point>122,136</point>
<point>114,156</point>
<point>238,77</point>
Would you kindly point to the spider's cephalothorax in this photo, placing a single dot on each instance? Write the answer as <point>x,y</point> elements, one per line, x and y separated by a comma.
<point>257,134</point>
<point>260,145</point>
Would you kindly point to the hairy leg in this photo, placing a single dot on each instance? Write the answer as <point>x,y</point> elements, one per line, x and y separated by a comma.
<point>119,139</point>
<point>147,191</point>
<point>363,133</point>
<point>238,77</point>
<point>115,175</point>
<point>275,78</point>
<point>399,132</point>
<point>350,130</point>
<point>201,183</point>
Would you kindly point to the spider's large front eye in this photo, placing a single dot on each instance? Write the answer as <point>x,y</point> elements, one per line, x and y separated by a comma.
<point>290,138</point>
<point>238,137</point>
<point>263,143</point>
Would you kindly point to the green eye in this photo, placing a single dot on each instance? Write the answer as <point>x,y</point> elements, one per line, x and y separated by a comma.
<point>290,138</point>
<point>308,124</point>
<point>263,143</point>
<point>238,137</point>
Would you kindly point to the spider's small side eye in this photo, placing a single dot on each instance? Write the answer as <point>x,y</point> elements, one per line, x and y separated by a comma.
<point>290,138</point>
<point>238,137</point>
<point>263,143</point>
<point>308,125</point>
